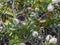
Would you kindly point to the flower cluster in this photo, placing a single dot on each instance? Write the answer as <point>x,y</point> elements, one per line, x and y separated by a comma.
<point>51,39</point>
<point>31,24</point>
<point>51,5</point>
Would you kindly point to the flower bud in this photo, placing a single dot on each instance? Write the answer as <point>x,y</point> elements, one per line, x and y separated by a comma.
<point>50,7</point>
<point>53,40</point>
<point>22,44</point>
<point>35,34</point>
<point>54,1</point>
<point>16,21</point>
<point>36,9</point>
<point>48,37</point>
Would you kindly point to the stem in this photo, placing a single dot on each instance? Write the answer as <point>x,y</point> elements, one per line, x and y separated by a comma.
<point>13,9</point>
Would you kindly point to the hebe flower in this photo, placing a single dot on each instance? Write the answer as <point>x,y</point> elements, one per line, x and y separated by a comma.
<point>16,21</point>
<point>48,37</point>
<point>34,33</point>
<point>37,9</point>
<point>22,44</point>
<point>50,7</point>
<point>53,40</point>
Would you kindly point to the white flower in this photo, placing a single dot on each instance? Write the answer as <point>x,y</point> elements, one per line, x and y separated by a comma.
<point>50,7</point>
<point>36,9</point>
<point>16,21</point>
<point>48,37</point>
<point>35,34</point>
<point>55,1</point>
<point>39,37</point>
<point>53,40</point>
<point>22,44</point>
<point>1,27</point>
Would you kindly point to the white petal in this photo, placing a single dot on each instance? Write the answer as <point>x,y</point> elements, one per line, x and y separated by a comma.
<point>35,34</point>
<point>15,21</point>
<point>48,37</point>
<point>54,1</point>
<point>53,40</point>
<point>22,44</point>
<point>50,7</point>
